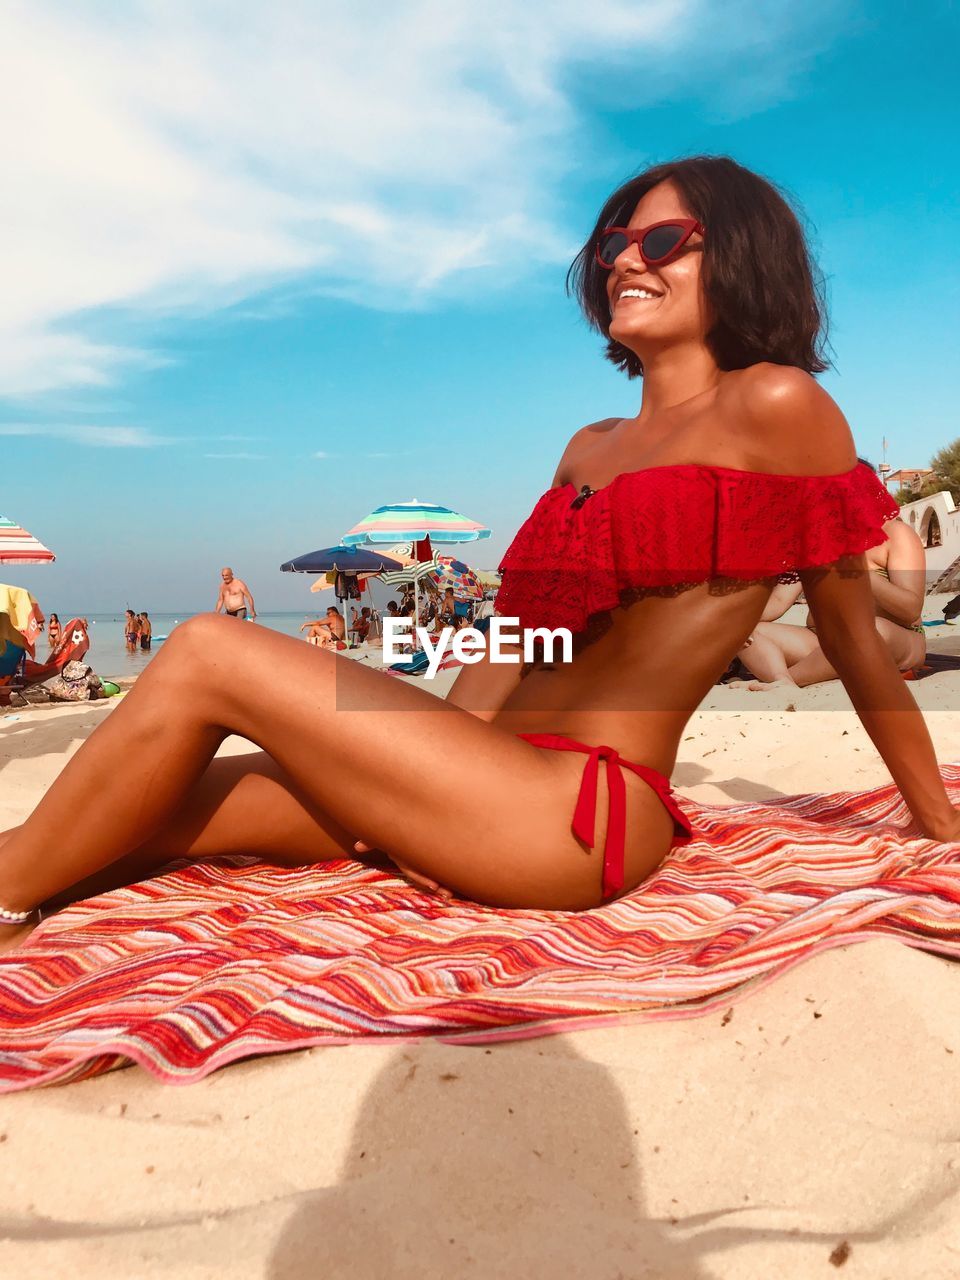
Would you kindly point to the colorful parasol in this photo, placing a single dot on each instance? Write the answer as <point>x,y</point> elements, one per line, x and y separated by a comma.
<point>454,573</point>
<point>19,547</point>
<point>413,570</point>
<point>411,521</point>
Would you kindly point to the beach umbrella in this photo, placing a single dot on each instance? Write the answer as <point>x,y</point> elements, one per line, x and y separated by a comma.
<point>414,521</point>
<point>19,547</point>
<point>413,570</point>
<point>329,579</point>
<point>345,563</point>
<point>341,559</point>
<point>454,573</point>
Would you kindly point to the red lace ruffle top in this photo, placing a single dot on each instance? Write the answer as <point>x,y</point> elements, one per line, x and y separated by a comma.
<point>578,555</point>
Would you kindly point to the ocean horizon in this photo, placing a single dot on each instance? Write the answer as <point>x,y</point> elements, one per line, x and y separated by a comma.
<point>110,658</point>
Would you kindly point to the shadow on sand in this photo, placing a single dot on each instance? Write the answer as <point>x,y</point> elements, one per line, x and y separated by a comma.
<point>505,1162</point>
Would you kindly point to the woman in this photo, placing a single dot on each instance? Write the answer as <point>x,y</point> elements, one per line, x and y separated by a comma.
<point>781,653</point>
<point>663,535</point>
<point>54,632</point>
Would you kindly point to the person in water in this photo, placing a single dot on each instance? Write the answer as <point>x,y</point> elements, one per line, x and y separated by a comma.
<point>131,630</point>
<point>780,653</point>
<point>146,632</point>
<point>54,632</point>
<point>658,544</point>
<point>234,596</point>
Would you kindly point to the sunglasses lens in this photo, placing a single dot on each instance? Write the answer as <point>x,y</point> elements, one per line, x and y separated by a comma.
<point>610,246</point>
<point>661,242</point>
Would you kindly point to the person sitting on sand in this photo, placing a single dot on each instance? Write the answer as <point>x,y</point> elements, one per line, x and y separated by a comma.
<point>779,653</point>
<point>335,622</point>
<point>319,634</point>
<point>313,626</point>
<point>361,628</point>
<point>448,609</point>
<point>662,533</point>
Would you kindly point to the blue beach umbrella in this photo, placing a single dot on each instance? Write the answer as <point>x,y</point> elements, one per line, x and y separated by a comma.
<point>350,561</point>
<point>341,559</point>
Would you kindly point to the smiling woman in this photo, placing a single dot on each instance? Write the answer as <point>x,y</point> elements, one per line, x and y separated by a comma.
<point>764,295</point>
<point>663,534</point>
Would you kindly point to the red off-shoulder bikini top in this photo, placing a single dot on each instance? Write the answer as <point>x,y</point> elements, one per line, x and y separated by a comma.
<point>583,554</point>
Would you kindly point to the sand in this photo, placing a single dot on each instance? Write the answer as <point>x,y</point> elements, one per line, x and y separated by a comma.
<point>811,1133</point>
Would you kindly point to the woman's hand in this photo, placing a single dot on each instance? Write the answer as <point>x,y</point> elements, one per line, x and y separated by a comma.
<point>432,886</point>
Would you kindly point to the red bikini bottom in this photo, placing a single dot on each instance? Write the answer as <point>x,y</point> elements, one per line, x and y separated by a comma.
<point>584,815</point>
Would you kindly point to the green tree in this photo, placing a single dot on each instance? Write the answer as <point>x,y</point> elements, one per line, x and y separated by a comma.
<point>946,463</point>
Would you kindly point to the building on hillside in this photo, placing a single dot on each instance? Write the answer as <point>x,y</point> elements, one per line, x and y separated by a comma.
<point>913,478</point>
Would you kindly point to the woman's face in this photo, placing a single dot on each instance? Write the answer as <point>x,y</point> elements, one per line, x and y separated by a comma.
<point>671,307</point>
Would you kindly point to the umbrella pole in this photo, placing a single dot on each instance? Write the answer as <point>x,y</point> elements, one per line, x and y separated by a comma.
<point>416,612</point>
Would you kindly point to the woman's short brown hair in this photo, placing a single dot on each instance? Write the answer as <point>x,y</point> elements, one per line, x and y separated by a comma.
<point>764,290</point>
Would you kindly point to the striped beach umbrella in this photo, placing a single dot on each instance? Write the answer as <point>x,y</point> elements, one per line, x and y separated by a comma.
<point>19,547</point>
<point>412,521</point>
<point>413,570</point>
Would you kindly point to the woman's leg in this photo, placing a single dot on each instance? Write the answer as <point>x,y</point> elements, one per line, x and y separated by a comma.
<point>907,649</point>
<point>241,804</point>
<point>365,750</point>
<point>775,647</point>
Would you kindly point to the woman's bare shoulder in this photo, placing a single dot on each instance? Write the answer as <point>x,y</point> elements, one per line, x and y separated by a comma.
<point>903,542</point>
<point>791,423</point>
<point>578,443</point>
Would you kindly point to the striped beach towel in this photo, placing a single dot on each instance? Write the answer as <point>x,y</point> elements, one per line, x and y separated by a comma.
<point>209,964</point>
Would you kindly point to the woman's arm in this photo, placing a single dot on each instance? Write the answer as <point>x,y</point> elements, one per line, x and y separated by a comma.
<point>783,596</point>
<point>843,609</point>
<point>797,429</point>
<point>901,598</point>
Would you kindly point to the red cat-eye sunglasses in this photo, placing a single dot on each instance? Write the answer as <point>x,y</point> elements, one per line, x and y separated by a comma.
<point>657,243</point>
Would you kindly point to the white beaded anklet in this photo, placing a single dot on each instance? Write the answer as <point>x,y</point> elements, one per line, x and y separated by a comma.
<point>14,917</point>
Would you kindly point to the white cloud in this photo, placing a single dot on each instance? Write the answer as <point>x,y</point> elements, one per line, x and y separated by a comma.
<point>87,434</point>
<point>320,454</point>
<point>184,157</point>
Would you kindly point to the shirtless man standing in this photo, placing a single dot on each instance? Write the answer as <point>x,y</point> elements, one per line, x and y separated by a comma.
<point>233,597</point>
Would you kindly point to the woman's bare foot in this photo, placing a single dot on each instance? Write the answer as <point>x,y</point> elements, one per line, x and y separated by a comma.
<point>12,935</point>
<point>761,686</point>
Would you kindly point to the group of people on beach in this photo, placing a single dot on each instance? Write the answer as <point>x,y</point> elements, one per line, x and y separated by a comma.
<point>437,610</point>
<point>138,631</point>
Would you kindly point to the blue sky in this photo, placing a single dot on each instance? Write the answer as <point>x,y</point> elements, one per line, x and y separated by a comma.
<point>264,271</point>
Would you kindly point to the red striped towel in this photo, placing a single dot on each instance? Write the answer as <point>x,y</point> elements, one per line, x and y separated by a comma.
<point>209,964</point>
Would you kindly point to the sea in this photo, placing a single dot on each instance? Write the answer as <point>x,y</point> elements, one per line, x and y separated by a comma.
<point>108,650</point>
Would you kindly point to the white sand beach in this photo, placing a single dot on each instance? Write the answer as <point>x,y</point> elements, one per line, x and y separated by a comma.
<point>812,1131</point>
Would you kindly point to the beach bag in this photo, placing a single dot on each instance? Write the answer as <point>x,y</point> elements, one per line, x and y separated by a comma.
<point>76,683</point>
